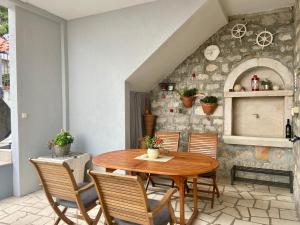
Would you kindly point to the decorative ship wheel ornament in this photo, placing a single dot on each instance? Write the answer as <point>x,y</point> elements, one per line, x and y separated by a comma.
<point>238,31</point>
<point>264,38</point>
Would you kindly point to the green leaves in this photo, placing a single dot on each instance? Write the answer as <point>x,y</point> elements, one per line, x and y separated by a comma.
<point>63,138</point>
<point>153,142</point>
<point>209,99</point>
<point>188,92</point>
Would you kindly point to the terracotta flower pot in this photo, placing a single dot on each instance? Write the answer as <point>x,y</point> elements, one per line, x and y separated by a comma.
<point>209,108</point>
<point>188,101</point>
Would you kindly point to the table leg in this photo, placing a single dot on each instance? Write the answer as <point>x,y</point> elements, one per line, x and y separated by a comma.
<point>180,183</point>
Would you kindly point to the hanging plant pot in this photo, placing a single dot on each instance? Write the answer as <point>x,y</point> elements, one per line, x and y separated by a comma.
<point>188,101</point>
<point>209,108</point>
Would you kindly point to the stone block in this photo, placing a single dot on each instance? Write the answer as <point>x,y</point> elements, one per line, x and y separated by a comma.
<point>262,153</point>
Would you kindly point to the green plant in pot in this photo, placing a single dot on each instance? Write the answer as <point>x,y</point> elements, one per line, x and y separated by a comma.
<point>209,104</point>
<point>188,96</point>
<point>61,144</point>
<point>266,84</point>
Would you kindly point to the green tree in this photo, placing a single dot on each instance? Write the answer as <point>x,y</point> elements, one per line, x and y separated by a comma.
<point>3,21</point>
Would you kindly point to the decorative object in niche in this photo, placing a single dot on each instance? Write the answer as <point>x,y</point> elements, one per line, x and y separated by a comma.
<point>255,83</point>
<point>276,87</point>
<point>237,87</point>
<point>212,52</point>
<point>264,39</point>
<point>209,104</point>
<point>238,31</point>
<point>266,84</point>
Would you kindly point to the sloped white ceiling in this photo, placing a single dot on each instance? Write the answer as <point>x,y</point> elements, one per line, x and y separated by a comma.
<point>71,9</point>
<point>207,20</point>
<point>235,7</point>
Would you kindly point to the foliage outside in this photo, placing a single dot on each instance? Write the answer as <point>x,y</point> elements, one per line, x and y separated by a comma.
<point>153,142</point>
<point>209,100</point>
<point>3,21</point>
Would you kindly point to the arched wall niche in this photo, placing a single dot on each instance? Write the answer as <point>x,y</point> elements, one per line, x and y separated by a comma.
<point>277,67</point>
<point>258,117</point>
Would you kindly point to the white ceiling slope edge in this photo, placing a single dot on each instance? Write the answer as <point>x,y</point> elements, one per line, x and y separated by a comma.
<point>70,9</point>
<point>236,7</point>
<point>194,32</point>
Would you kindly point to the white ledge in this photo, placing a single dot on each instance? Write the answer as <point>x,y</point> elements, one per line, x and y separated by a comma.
<point>258,141</point>
<point>245,94</point>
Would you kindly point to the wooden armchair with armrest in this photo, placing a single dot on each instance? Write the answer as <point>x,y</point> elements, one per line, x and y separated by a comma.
<point>62,190</point>
<point>125,202</point>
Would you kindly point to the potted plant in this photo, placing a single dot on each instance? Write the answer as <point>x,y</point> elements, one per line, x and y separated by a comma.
<point>153,144</point>
<point>188,96</point>
<point>209,104</point>
<point>266,84</point>
<point>61,144</point>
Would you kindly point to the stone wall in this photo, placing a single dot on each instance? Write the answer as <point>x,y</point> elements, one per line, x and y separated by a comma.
<point>209,77</point>
<point>297,98</point>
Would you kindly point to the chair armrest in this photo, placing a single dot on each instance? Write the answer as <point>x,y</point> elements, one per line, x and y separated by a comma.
<point>164,201</point>
<point>85,188</point>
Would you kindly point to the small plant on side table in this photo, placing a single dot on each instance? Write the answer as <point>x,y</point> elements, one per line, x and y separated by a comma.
<point>61,144</point>
<point>209,104</point>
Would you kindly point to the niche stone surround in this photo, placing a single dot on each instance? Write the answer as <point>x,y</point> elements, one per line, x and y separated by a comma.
<point>210,77</point>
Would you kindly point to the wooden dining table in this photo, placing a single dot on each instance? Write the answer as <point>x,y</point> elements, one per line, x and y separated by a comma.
<point>182,166</point>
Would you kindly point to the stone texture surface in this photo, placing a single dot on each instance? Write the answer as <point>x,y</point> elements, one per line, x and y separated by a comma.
<point>209,77</point>
<point>34,209</point>
<point>296,123</point>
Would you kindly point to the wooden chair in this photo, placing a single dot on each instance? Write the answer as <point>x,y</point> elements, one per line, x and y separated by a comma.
<point>206,144</point>
<point>61,190</point>
<point>170,144</point>
<point>124,201</point>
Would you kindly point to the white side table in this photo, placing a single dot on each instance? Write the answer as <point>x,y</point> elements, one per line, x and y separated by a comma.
<point>76,161</point>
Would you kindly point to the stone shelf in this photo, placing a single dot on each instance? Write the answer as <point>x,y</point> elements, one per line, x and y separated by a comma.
<point>245,94</point>
<point>258,141</point>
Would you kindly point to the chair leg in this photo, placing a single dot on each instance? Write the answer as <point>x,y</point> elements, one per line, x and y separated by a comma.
<point>61,215</point>
<point>173,183</point>
<point>216,186</point>
<point>213,197</point>
<point>97,218</point>
<point>59,219</point>
<point>149,179</point>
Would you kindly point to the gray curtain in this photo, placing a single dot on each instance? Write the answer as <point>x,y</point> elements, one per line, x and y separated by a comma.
<point>138,102</point>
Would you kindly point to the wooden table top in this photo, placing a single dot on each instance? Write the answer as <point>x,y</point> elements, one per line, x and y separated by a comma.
<point>183,163</point>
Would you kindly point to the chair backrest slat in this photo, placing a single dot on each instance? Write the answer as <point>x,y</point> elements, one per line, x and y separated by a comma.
<point>170,140</point>
<point>57,179</point>
<point>122,197</point>
<point>204,143</point>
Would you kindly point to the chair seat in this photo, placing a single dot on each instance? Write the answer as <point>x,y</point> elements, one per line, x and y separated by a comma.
<point>162,218</point>
<point>88,197</point>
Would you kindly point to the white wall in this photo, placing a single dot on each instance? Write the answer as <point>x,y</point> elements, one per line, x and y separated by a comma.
<point>36,75</point>
<point>104,50</point>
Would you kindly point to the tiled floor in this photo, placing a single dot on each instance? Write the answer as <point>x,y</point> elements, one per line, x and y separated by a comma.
<point>241,204</point>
